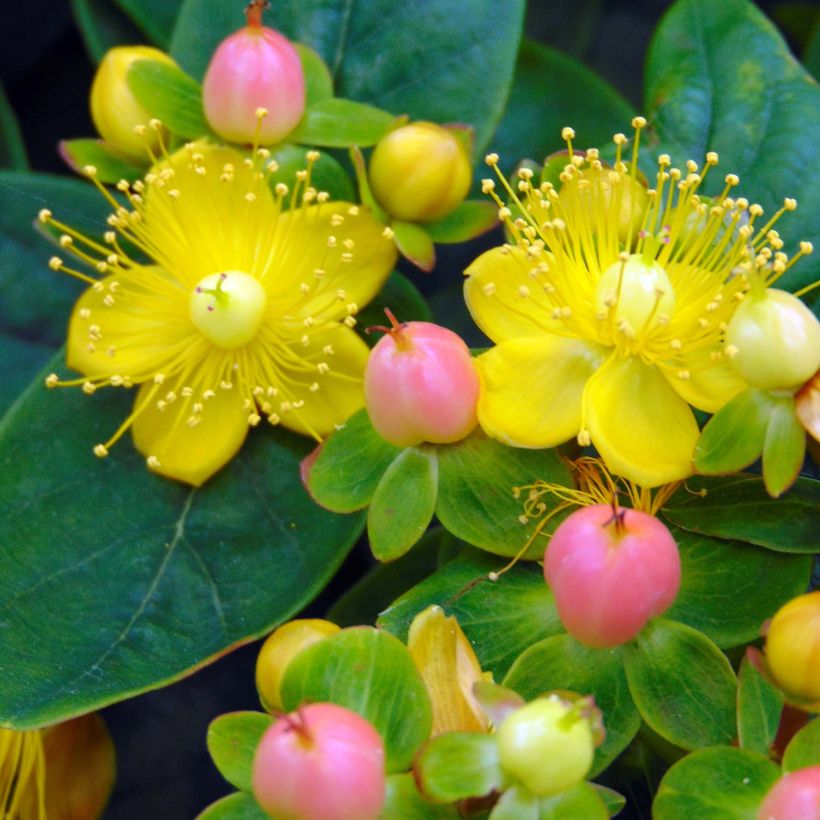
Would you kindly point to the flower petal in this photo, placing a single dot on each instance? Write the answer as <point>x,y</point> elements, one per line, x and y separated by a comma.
<point>340,390</point>
<point>502,298</point>
<point>300,248</point>
<point>709,384</point>
<point>189,454</point>
<point>531,389</point>
<point>642,428</point>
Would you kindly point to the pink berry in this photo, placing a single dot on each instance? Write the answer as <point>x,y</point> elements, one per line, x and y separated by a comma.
<point>611,571</point>
<point>796,796</point>
<point>322,762</point>
<point>421,385</point>
<point>254,88</point>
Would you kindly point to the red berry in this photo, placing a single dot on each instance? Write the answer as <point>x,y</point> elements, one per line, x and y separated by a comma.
<point>611,571</point>
<point>322,762</point>
<point>796,796</point>
<point>421,385</point>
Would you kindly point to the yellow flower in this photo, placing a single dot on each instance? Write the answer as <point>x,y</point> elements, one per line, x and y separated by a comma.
<point>609,307</point>
<point>243,308</point>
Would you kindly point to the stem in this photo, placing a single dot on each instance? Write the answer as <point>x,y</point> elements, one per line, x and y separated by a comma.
<point>253,12</point>
<point>396,331</point>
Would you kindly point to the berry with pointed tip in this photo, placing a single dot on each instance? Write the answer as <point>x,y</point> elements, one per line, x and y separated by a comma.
<point>611,570</point>
<point>796,796</point>
<point>321,762</point>
<point>254,88</point>
<point>421,384</point>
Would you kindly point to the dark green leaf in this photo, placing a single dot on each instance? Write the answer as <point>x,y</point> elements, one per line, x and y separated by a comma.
<point>470,219</point>
<point>142,571</point>
<point>414,244</point>
<point>715,784</point>
<point>580,803</point>
<point>350,465</point>
<point>784,447</point>
<point>728,589</point>
<point>458,765</point>
<point>739,508</point>
<point>561,662</point>
<point>720,77</point>
<point>372,673</point>
<point>318,82</point>
<point>232,740</point>
<point>110,164</point>
<point>402,297</point>
<point>404,801</point>
<point>500,618</point>
<point>155,17</point>
<point>477,501</point>
<point>36,300</point>
<point>236,806</point>
<point>12,148</point>
<point>758,710</point>
<point>103,26</point>
<point>170,95</point>
<point>551,90</point>
<point>804,748</point>
<point>402,506</point>
<point>733,437</point>
<point>451,63</point>
<point>682,684</point>
<point>337,123</point>
<point>326,175</point>
<point>19,361</point>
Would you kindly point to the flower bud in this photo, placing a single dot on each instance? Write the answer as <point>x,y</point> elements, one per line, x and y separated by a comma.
<point>114,108</point>
<point>420,172</point>
<point>254,88</point>
<point>796,796</point>
<point>773,340</point>
<point>421,384</point>
<point>280,648</point>
<point>547,745</point>
<point>793,647</point>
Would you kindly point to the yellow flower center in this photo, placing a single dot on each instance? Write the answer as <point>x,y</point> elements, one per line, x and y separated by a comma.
<point>227,308</point>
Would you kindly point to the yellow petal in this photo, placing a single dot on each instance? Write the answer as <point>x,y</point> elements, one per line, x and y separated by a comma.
<point>300,248</point>
<point>641,427</point>
<point>131,330</point>
<point>707,384</point>
<point>189,454</point>
<point>449,668</point>
<point>340,390</point>
<point>531,389</point>
<point>502,298</point>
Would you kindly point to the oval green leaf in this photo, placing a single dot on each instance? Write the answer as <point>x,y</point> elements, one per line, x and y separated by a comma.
<point>110,164</point>
<point>458,765</point>
<point>236,806</point>
<point>403,800</point>
<point>804,748</point>
<point>784,447</point>
<point>12,148</point>
<point>338,123</point>
<point>759,706</point>
<point>582,802</point>
<point>232,740</point>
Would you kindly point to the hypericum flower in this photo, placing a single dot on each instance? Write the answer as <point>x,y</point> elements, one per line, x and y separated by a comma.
<point>607,328</point>
<point>243,310</point>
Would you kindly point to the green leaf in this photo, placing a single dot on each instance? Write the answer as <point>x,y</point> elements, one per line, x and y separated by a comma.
<point>372,673</point>
<point>36,300</point>
<point>804,748</point>
<point>551,90</point>
<point>155,17</point>
<point>318,82</point>
<point>516,804</point>
<point>12,148</point>
<point>739,508</point>
<point>500,618</point>
<point>142,571</point>
<point>349,465</point>
<point>402,297</point>
<point>580,803</point>
<point>758,710</point>
<point>110,164</point>
<point>477,500</point>
<point>561,662</point>
<point>722,783</point>
<point>102,26</point>
<point>414,244</point>
<point>170,95</point>
<point>453,63</point>
<point>614,801</point>
<point>337,123</point>
<point>728,589</point>
<point>236,806</point>
<point>733,437</point>
<point>326,175</point>
<point>458,765</point>
<point>682,684</point>
<point>470,219</point>
<point>403,800</point>
<point>720,77</point>
<point>784,447</point>
<point>232,740</point>
<point>402,506</point>
<point>19,359</point>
